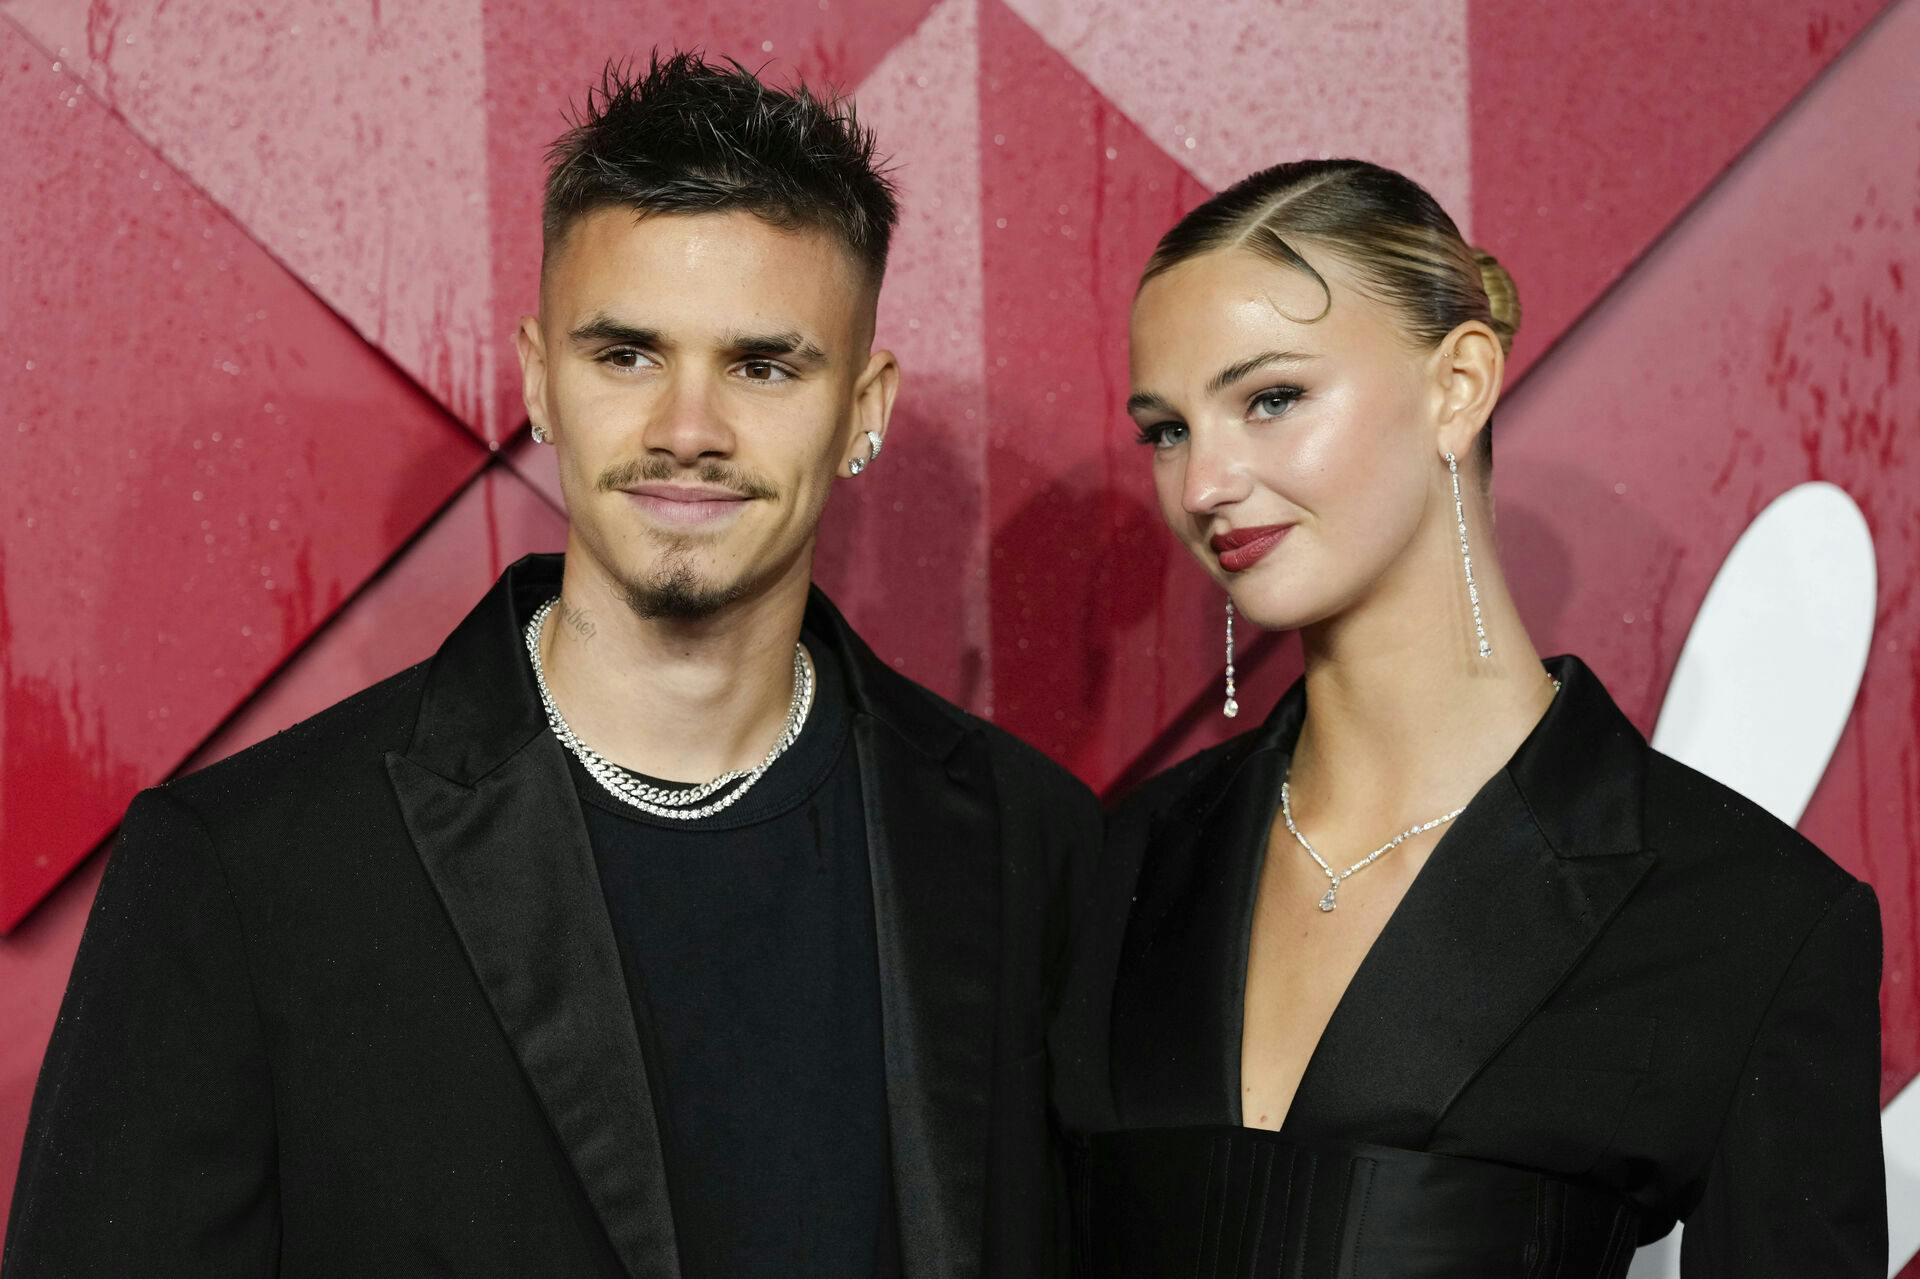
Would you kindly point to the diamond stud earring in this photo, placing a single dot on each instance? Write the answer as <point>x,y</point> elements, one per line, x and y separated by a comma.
<point>1466,558</point>
<point>540,435</point>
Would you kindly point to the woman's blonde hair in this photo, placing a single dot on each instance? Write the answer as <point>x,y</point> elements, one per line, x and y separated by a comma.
<point>1383,224</point>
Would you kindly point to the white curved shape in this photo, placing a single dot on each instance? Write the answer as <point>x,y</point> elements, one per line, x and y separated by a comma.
<point>1765,683</point>
<point>1900,1131</point>
<point>1768,674</point>
<point>1658,1260</point>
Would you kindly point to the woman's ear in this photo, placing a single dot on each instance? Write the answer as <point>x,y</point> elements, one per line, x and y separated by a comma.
<point>1467,371</point>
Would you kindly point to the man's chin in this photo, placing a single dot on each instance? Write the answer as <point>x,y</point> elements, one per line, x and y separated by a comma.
<point>680,596</point>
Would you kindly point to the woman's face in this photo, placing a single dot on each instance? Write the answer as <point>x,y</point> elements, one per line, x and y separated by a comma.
<point>1295,456</point>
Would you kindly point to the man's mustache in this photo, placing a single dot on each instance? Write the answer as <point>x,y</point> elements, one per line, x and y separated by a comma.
<point>660,470</point>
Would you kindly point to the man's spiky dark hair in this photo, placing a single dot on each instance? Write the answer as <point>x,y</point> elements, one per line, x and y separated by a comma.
<point>691,136</point>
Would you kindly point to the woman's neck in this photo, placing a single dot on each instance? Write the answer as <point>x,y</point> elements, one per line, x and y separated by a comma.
<point>1403,715</point>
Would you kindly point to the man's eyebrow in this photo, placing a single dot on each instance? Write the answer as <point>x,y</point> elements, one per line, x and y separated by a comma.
<point>1147,402</point>
<point>1234,372</point>
<point>604,328</point>
<point>789,343</point>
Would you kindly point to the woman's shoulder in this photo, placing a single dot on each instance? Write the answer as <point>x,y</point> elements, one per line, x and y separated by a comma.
<point>1694,822</point>
<point>1734,870</point>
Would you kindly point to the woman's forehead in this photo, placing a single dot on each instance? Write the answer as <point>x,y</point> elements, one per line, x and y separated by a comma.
<point>1239,294</point>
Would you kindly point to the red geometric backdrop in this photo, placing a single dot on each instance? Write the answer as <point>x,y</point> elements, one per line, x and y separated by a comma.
<point>261,426</point>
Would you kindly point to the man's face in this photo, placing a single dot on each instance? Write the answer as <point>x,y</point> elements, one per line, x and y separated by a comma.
<point>703,378</point>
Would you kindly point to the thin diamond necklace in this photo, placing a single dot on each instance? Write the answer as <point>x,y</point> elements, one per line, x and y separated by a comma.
<point>1337,878</point>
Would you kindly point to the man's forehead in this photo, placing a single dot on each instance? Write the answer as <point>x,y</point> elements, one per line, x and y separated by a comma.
<point>726,241</point>
<point>648,269</point>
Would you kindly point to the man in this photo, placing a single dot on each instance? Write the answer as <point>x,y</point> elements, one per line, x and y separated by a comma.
<point>653,926</point>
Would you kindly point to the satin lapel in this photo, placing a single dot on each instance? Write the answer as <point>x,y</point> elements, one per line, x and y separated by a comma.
<point>933,847</point>
<point>1491,926</point>
<point>1181,979</point>
<point>510,859</point>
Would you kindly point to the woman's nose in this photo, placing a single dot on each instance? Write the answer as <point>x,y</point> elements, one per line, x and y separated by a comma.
<point>1214,476</point>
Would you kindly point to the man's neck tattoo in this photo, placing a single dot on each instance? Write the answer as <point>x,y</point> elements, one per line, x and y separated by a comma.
<point>577,620</point>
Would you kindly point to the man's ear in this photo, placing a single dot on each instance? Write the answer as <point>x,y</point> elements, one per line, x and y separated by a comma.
<point>532,348</point>
<point>1467,369</point>
<point>873,397</point>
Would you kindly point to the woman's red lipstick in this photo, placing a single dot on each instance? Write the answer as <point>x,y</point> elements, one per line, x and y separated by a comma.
<point>1241,548</point>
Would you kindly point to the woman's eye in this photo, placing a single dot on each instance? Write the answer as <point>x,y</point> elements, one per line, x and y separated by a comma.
<point>1274,401</point>
<point>1162,435</point>
<point>764,371</point>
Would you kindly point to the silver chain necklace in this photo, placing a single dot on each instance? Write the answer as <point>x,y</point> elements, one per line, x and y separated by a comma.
<point>678,803</point>
<point>1336,878</point>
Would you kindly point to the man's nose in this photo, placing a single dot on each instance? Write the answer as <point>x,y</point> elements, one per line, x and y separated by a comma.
<point>688,422</point>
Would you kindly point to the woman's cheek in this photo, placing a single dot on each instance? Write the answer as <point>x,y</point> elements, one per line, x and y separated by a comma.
<point>1169,484</point>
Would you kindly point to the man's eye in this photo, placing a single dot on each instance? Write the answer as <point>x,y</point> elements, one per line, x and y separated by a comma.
<point>764,371</point>
<point>622,357</point>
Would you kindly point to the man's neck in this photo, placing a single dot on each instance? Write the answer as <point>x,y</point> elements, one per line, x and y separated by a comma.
<point>678,699</point>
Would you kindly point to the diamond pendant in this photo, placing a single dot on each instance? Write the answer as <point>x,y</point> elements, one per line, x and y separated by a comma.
<point>1327,902</point>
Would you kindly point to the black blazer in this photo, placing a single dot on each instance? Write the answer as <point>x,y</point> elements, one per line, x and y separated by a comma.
<point>1612,971</point>
<point>349,1002</point>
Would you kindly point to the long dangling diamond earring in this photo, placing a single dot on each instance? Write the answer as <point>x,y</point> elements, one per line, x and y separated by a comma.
<point>1466,558</point>
<point>1232,707</point>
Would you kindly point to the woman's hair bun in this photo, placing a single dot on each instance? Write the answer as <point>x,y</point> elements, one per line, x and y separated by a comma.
<point>1502,298</point>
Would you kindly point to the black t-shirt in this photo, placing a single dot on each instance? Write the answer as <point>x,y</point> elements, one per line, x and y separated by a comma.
<point>748,941</point>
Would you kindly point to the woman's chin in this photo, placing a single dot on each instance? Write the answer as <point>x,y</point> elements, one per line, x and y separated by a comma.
<point>1264,612</point>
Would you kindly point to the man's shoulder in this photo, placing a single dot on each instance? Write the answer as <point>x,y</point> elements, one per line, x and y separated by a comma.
<point>917,713</point>
<point>1180,784</point>
<point>1018,758</point>
<point>347,740</point>
<point>1012,757</point>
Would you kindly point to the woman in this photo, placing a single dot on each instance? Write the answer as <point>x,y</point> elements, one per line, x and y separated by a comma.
<point>1441,970</point>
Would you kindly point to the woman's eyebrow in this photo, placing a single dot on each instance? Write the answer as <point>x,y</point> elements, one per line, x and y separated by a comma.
<point>1234,372</point>
<point>1147,402</point>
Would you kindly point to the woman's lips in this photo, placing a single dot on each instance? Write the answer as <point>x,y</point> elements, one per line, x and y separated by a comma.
<point>1241,548</point>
